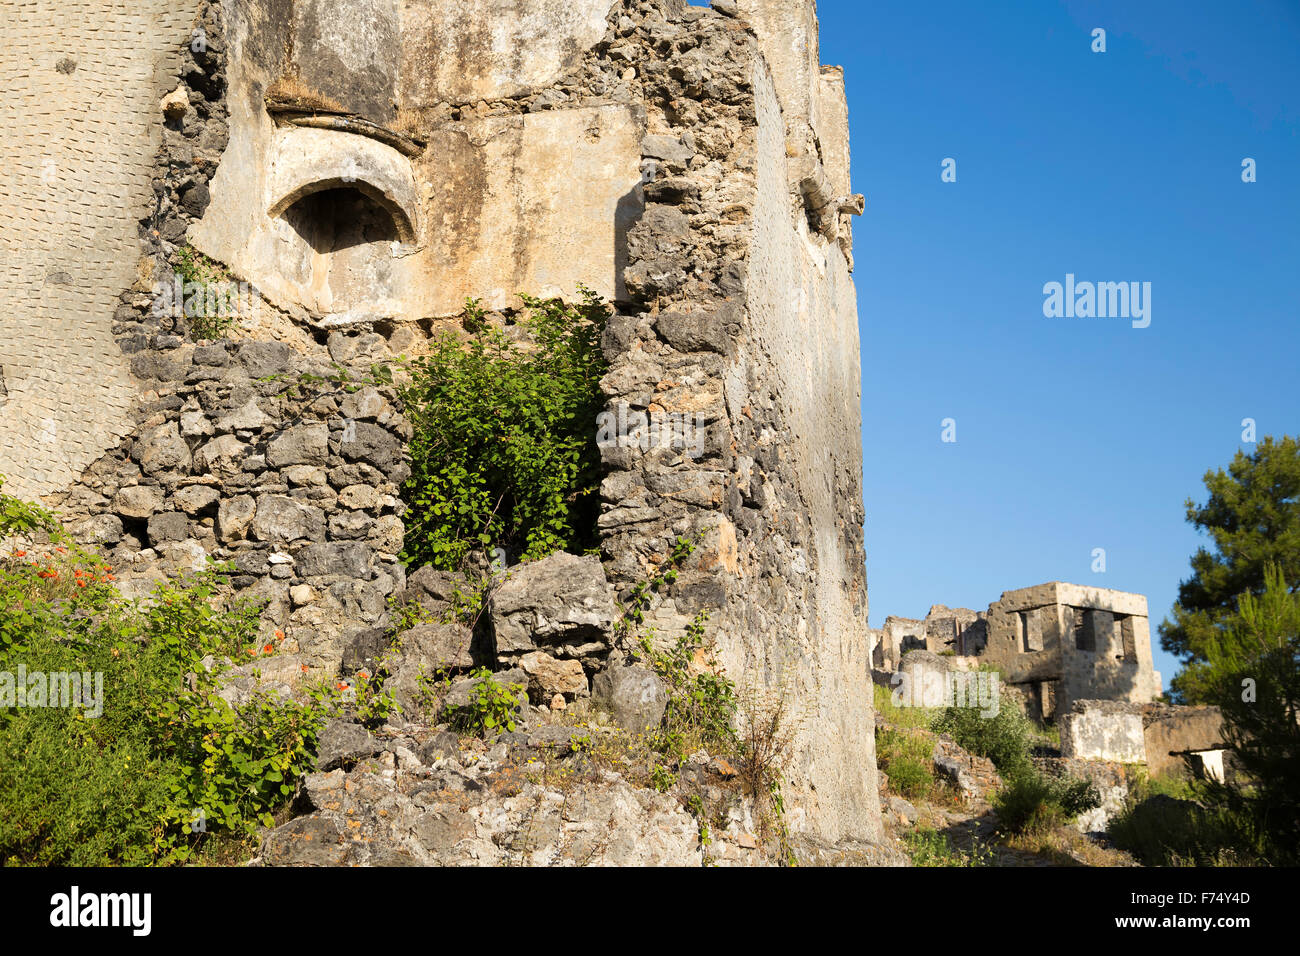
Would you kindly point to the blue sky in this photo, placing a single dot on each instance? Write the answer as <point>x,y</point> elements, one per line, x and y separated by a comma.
<point>1072,434</point>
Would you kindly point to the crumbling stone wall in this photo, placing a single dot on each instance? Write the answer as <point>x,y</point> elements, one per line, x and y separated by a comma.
<point>655,152</point>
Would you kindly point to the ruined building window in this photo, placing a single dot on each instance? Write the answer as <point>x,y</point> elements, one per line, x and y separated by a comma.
<point>1085,630</point>
<point>345,248</point>
<point>1124,624</point>
<point>1031,631</point>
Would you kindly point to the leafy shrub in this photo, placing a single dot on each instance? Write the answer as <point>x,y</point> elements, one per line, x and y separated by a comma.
<point>908,760</point>
<point>702,701</point>
<point>492,706</point>
<point>210,305</point>
<point>1032,801</point>
<point>1161,830</point>
<point>504,448</point>
<point>167,764</point>
<point>1005,738</point>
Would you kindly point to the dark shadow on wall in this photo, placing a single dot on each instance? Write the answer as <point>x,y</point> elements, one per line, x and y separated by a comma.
<point>627,214</point>
<point>337,219</point>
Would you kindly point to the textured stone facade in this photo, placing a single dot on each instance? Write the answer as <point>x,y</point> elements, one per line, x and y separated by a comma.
<point>367,166</point>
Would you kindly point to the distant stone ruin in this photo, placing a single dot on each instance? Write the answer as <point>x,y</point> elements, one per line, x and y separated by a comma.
<point>1079,657</point>
<point>1058,643</point>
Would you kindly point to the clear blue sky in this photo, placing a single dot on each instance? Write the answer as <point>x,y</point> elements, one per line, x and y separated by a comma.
<point>1072,434</point>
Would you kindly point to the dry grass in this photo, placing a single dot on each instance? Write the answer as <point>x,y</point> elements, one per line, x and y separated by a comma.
<point>290,90</point>
<point>1065,846</point>
<point>407,123</point>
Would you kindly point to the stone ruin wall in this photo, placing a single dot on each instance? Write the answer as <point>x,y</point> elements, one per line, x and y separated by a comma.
<point>689,170</point>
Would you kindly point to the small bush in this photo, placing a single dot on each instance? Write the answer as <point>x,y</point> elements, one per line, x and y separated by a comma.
<point>151,764</point>
<point>1163,830</point>
<point>1005,739</point>
<point>504,448</point>
<point>492,706</point>
<point>928,847</point>
<point>1032,801</point>
<point>908,760</point>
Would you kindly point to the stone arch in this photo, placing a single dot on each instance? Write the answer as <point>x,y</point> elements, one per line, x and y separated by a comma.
<point>402,220</point>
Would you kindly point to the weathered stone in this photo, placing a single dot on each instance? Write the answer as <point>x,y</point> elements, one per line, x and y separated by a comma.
<point>196,499</point>
<point>346,558</point>
<point>284,520</point>
<point>97,530</point>
<point>372,444</point>
<point>302,445</point>
<point>365,405</point>
<point>162,449</point>
<point>222,455</point>
<point>634,696</point>
<point>342,743</point>
<point>168,526</point>
<point>263,359</point>
<point>560,599</point>
<point>138,501</point>
<point>235,516</point>
<point>548,676</point>
<point>250,417</point>
<point>363,650</point>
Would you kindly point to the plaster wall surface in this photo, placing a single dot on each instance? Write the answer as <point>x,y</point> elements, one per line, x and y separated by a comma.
<point>80,123</point>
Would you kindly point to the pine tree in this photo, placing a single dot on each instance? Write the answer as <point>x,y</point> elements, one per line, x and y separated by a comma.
<point>1253,518</point>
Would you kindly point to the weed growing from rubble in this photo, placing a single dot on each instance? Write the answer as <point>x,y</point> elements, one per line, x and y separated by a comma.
<point>213,284</point>
<point>504,448</point>
<point>167,766</point>
<point>492,707</point>
<point>929,847</point>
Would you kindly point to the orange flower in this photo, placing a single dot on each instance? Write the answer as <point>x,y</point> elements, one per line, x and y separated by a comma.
<point>268,649</point>
<point>20,554</point>
<point>304,668</point>
<point>109,577</point>
<point>341,686</point>
<point>61,550</point>
<point>364,676</point>
<point>251,651</point>
<point>81,584</point>
<point>279,635</point>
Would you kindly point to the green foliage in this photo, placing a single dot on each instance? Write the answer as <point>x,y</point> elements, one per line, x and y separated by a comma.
<point>702,701</point>
<point>1252,516</point>
<point>1032,801</point>
<point>929,847</point>
<point>1005,739</point>
<point>492,706</point>
<point>1163,831</point>
<point>907,758</point>
<point>889,712</point>
<point>1255,665</point>
<point>149,764</point>
<point>214,313</point>
<point>504,449</point>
